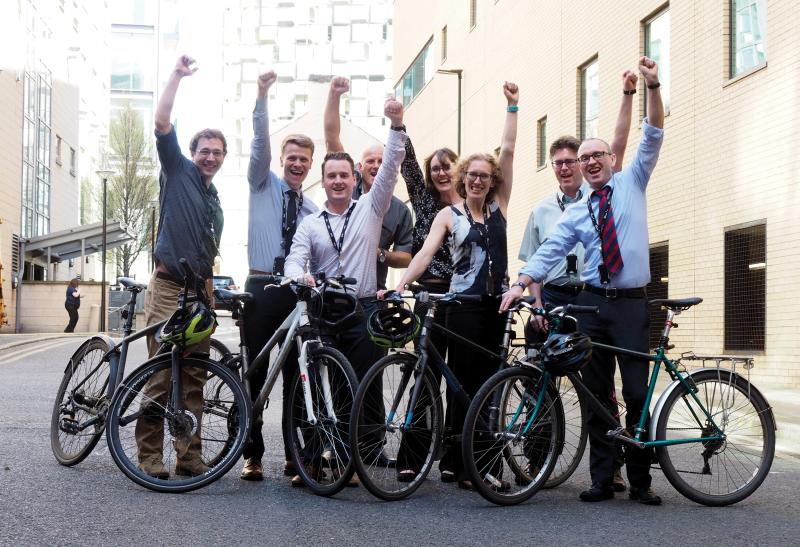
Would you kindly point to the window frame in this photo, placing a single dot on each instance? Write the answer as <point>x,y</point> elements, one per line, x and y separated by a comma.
<point>541,143</point>
<point>582,96</point>
<point>756,304</point>
<point>731,42</point>
<point>664,73</point>
<point>422,55</point>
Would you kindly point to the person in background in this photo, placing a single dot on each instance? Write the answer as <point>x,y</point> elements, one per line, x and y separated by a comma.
<point>72,304</point>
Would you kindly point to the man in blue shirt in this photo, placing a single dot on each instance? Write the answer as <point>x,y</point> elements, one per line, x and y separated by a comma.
<point>613,230</point>
<point>277,205</point>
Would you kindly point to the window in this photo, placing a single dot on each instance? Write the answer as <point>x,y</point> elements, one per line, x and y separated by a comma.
<point>444,43</point>
<point>131,61</point>
<point>473,13</point>
<point>745,287</point>
<point>590,100</point>
<point>58,150</point>
<point>656,36</point>
<point>36,135</point>
<point>658,288</point>
<point>73,167</point>
<point>541,148</point>
<point>748,35</point>
<point>418,74</point>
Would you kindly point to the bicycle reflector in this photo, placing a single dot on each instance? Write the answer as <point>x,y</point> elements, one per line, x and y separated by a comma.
<point>393,325</point>
<point>564,354</point>
<point>189,326</point>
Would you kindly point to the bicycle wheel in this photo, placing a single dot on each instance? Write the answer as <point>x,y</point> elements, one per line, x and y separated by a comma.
<point>219,352</point>
<point>321,442</point>
<point>722,472</point>
<point>517,434</point>
<point>575,433</point>
<point>77,421</point>
<point>381,438</point>
<point>170,451</point>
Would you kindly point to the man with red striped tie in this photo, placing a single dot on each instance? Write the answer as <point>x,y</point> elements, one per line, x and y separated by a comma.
<point>612,226</point>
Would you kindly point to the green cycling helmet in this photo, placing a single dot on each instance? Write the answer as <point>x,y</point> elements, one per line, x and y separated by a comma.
<point>393,325</point>
<point>189,326</point>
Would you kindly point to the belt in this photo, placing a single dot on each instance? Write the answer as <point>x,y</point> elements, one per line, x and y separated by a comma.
<point>167,277</point>
<point>613,292</point>
<point>564,289</point>
<point>259,272</point>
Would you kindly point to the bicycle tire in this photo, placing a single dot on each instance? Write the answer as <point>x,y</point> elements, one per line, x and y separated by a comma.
<point>84,385</point>
<point>575,434</point>
<point>130,406</point>
<point>487,453</point>
<point>394,376</point>
<point>321,450</point>
<point>746,453</point>
<point>219,352</point>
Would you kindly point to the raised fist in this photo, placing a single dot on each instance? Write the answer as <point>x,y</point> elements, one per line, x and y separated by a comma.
<point>649,70</point>
<point>511,91</point>
<point>266,79</point>
<point>393,109</point>
<point>629,80</point>
<point>183,66</point>
<point>340,85</point>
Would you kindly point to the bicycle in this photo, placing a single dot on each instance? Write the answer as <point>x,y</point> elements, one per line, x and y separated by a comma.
<point>713,431</point>
<point>90,378</point>
<point>196,432</point>
<point>318,409</point>
<point>397,419</point>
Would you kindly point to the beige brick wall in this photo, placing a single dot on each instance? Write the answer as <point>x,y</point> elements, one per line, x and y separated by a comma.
<point>729,145</point>
<point>43,307</point>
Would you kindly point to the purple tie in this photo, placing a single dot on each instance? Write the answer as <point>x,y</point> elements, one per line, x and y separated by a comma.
<point>612,258</point>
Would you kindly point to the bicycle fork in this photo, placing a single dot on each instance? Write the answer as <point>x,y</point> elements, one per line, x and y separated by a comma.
<point>322,372</point>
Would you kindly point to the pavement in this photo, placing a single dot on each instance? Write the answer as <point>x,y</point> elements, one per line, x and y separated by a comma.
<point>785,402</point>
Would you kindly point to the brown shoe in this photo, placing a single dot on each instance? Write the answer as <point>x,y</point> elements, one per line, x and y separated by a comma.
<point>618,483</point>
<point>154,467</point>
<point>190,468</point>
<point>252,470</point>
<point>298,482</point>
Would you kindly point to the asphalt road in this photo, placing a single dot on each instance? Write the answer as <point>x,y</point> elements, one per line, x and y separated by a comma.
<point>42,502</point>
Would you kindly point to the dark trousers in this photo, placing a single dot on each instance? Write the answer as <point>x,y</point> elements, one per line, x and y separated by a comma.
<point>262,317</point>
<point>73,317</point>
<point>554,298</point>
<point>620,322</point>
<point>481,324</point>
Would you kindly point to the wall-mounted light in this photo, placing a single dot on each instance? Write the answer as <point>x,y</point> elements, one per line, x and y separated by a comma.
<point>664,279</point>
<point>757,266</point>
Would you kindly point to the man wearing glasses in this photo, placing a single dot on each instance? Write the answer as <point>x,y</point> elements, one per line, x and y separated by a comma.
<point>612,226</point>
<point>189,226</point>
<point>563,283</point>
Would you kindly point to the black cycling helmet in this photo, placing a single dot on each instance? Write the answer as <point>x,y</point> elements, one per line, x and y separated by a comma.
<point>189,326</point>
<point>339,309</point>
<point>393,325</point>
<point>566,353</point>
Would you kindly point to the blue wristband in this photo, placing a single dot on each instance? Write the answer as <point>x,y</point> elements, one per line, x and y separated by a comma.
<point>512,108</point>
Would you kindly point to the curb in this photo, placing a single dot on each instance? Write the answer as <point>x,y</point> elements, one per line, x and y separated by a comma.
<point>34,340</point>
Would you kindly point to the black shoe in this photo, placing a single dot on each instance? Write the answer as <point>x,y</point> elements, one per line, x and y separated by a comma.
<point>645,496</point>
<point>597,493</point>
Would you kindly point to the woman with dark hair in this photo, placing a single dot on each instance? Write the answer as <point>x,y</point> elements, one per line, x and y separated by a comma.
<point>475,230</point>
<point>72,304</point>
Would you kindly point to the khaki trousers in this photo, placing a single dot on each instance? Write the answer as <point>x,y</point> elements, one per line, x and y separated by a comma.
<point>160,302</point>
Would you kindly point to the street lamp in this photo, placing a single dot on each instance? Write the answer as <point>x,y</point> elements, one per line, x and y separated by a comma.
<point>152,205</point>
<point>104,174</point>
<point>458,72</point>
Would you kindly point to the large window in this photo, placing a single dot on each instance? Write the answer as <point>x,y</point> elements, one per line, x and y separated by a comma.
<point>590,100</point>
<point>658,288</point>
<point>748,35</point>
<point>656,32</point>
<point>418,74</point>
<point>36,136</point>
<point>541,145</point>
<point>745,287</point>
<point>131,61</point>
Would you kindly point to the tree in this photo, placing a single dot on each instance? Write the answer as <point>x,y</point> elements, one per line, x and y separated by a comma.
<point>133,188</point>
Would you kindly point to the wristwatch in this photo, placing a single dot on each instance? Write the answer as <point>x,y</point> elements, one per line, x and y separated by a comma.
<point>381,255</point>
<point>521,285</point>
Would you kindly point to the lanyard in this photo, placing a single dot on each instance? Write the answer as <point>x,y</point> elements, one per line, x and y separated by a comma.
<point>483,232</point>
<point>600,228</point>
<point>562,203</point>
<point>338,246</point>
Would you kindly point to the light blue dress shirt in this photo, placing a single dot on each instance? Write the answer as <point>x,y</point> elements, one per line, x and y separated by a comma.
<point>629,205</point>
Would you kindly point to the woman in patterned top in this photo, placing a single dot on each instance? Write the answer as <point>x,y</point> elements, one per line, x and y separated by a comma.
<point>475,230</point>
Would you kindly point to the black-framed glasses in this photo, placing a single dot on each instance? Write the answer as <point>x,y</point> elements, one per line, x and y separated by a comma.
<point>204,152</point>
<point>596,156</point>
<point>439,168</point>
<point>558,164</point>
<point>472,176</point>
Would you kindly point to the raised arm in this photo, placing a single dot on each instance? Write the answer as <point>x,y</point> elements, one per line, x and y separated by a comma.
<point>167,99</point>
<point>331,121</point>
<point>260,151</point>
<point>440,227</point>
<point>509,142</point>
<point>655,106</point>
<point>380,195</point>
<point>413,176</point>
<point>623,127</point>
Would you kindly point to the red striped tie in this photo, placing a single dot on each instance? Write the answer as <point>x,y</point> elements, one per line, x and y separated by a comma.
<point>612,257</point>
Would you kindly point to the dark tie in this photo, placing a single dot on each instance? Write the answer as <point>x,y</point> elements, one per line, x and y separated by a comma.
<point>612,258</point>
<point>291,219</point>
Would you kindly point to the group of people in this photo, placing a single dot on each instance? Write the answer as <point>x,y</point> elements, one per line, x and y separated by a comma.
<point>586,243</point>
